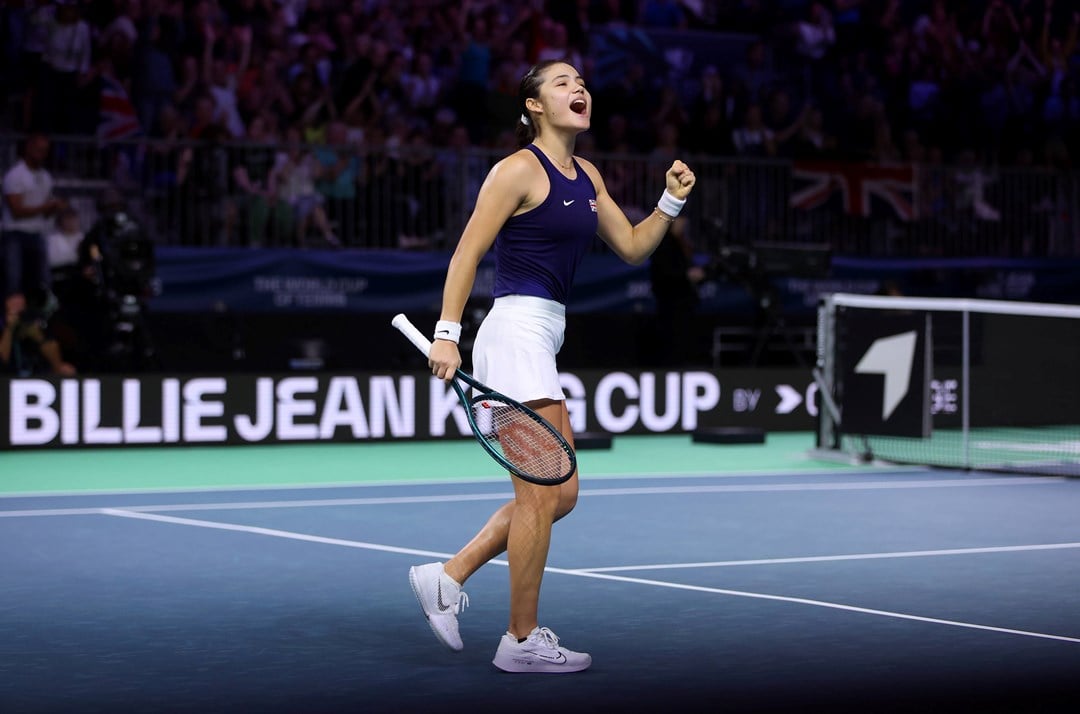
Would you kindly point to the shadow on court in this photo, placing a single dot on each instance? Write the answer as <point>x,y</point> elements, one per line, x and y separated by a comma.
<point>898,591</point>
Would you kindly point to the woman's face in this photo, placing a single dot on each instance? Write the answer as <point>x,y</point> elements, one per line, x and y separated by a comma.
<point>564,101</point>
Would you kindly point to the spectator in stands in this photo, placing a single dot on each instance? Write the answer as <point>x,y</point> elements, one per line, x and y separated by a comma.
<point>667,147</point>
<point>355,79</point>
<point>29,207</point>
<point>996,74</point>
<point>784,121</point>
<point>669,110</point>
<point>62,102</point>
<point>1061,107</point>
<point>814,34</point>
<point>752,137</point>
<point>517,57</point>
<point>25,40</point>
<point>62,246</point>
<point>80,323</point>
<point>752,76</point>
<point>202,179</point>
<point>222,79</point>
<point>339,171</point>
<point>252,193</point>
<point>293,181</point>
<point>423,88</point>
<point>311,104</point>
<point>812,141</point>
<point>756,187</point>
<point>117,40</point>
<point>263,91</point>
<point>462,172</point>
<point>423,191</point>
<point>502,102</point>
<point>555,44</point>
<point>190,85</point>
<point>675,278</point>
<point>477,45</point>
<point>154,79</point>
<point>626,96</point>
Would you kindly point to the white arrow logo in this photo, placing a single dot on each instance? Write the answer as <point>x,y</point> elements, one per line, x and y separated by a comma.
<point>789,398</point>
<point>893,358</point>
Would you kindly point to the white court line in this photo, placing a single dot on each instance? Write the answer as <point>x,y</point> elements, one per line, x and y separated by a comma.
<point>498,478</point>
<point>635,491</point>
<point>837,558</point>
<point>584,574</point>
<point>818,603</point>
<point>273,532</point>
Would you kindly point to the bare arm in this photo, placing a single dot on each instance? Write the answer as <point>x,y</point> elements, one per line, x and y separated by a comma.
<point>503,192</point>
<point>635,244</point>
<point>19,209</point>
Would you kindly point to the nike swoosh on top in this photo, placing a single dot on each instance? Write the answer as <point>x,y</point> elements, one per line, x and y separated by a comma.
<point>567,203</point>
<point>440,602</point>
<point>558,657</point>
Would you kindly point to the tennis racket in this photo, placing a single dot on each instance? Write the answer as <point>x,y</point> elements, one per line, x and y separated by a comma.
<point>518,438</point>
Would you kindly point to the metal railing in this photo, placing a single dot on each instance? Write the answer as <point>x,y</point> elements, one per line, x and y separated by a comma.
<point>420,197</point>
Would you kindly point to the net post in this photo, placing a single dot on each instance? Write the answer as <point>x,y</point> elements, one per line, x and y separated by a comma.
<point>965,381</point>
<point>828,441</point>
<point>826,432</point>
<point>997,385</point>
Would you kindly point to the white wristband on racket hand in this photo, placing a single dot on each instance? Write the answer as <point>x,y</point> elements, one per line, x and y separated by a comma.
<point>669,205</point>
<point>447,330</point>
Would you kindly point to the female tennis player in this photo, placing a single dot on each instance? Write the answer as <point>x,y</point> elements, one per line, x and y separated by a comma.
<point>540,208</point>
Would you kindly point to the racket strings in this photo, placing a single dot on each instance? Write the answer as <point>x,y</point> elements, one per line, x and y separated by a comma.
<point>526,443</point>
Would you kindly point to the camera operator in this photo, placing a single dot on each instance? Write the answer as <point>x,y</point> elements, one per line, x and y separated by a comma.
<point>117,258</point>
<point>675,280</point>
<point>27,347</point>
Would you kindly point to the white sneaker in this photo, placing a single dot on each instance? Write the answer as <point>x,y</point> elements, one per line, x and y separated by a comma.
<point>441,600</point>
<point>540,652</point>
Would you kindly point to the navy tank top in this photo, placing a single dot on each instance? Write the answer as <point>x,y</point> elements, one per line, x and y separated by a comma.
<point>538,252</point>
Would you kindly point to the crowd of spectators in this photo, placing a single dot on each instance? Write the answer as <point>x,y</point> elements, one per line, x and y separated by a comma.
<point>229,84</point>
<point>264,108</point>
<point>871,79</point>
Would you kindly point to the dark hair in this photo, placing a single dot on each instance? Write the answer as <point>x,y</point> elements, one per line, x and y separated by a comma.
<point>530,89</point>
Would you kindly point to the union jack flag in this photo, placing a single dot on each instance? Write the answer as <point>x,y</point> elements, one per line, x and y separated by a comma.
<point>117,118</point>
<point>862,187</point>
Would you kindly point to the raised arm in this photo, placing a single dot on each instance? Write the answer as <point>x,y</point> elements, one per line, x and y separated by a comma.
<point>635,244</point>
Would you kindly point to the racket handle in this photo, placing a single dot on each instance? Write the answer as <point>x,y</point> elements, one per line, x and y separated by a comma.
<point>409,330</point>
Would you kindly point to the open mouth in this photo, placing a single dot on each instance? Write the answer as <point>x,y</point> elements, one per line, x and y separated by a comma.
<point>578,106</point>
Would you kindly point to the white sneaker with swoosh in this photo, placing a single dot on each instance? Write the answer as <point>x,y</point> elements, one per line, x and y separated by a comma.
<point>441,599</point>
<point>540,652</point>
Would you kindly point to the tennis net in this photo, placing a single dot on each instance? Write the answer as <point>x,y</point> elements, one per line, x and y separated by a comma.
<point>975,384</point>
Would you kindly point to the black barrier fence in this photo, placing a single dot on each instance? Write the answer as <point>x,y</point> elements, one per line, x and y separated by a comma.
<point>420,197</point>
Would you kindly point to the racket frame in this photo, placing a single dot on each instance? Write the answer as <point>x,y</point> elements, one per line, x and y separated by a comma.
<point>486,393</point>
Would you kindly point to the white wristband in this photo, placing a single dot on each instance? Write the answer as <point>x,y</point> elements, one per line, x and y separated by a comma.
<point>670,205</point>
<point>447,330</point>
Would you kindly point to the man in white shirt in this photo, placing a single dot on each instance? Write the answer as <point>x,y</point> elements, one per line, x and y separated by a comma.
<point>28,209</point>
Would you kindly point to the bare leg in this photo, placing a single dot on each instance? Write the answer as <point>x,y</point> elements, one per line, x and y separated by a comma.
<point>523,528</point>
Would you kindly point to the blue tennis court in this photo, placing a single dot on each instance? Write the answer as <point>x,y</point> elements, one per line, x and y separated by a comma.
<point>819,590</point>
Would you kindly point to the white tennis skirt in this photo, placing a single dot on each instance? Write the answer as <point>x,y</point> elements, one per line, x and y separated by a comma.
<point>515,347</point>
